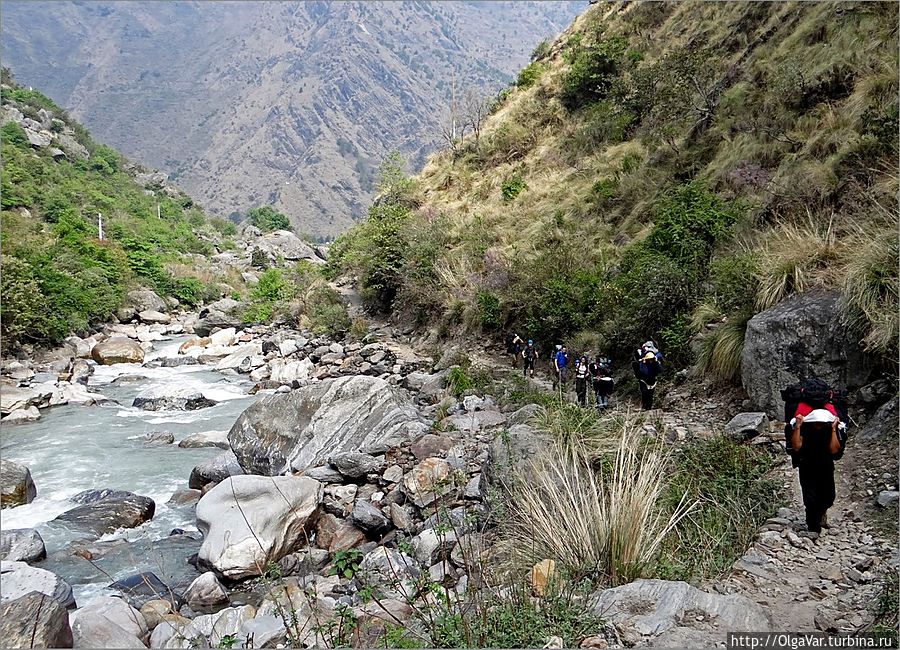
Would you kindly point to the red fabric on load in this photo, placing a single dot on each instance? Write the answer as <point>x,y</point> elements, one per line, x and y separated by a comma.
<point>805,409</point>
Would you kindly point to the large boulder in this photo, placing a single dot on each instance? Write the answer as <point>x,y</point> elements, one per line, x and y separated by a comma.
<point>285,244</point>
<point>675,614</point>
<point>222,314</point>
<point>117,349</point>
<point>288,372</point>
<point>248,521</point>
<point>34,620</point>
<point>18,579</point>
<point>215,470</point>
<point>16,485</point>
<point>145,300</point>
<point>108,622</point>
<point>745,426</point>
<point>22,545</point>
<point>166,399</point>
<point>800,337</point>
<point>305,427</point>
<point>105,511</point>
<point>512,453</point>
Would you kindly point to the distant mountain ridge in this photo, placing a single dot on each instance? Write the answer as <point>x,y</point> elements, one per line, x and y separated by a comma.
<point>289,104</point>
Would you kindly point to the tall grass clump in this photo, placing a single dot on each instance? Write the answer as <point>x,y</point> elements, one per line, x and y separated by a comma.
<point>605,525</point>
<point>870,293</point>
<point>795,258</point>
<point>721,348</point>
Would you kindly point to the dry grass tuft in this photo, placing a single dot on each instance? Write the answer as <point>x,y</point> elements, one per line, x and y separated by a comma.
<point>607,523</point>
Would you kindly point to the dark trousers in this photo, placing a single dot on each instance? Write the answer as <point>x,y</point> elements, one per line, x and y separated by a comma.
<point>646,395</point>
<point>817,484</point>
<point>581,390</point>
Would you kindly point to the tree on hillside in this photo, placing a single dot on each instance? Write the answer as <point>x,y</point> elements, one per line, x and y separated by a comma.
<point>476,109</point>
<point>267,219</point>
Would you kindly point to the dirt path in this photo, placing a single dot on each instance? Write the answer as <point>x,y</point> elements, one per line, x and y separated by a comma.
<point>830,584</point>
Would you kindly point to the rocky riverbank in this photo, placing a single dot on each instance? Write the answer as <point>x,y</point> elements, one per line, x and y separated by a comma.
<point>355,495</point>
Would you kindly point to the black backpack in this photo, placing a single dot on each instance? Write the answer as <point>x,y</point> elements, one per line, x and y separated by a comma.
<point>816,393</point>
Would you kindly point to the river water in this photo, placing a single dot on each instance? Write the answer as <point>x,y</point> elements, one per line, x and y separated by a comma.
<point>76,448</point>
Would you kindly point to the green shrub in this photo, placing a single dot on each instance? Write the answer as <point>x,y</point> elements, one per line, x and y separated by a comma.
<point>735,498</point>
<point>488,309</point>
<point>268,219</point>
<point>592,72</point>
<point>14,134</point>
<point>24,309</point>
<point>459,381</point>
<point>529,75</point>
<point>512,187</point>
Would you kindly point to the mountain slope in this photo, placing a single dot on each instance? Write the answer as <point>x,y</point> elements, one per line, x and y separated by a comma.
<point>289,104</point>
<point>665,170</point>
<point>59,273</point>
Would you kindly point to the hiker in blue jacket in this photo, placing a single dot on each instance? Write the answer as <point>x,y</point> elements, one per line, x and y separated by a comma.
<point>560,359</point>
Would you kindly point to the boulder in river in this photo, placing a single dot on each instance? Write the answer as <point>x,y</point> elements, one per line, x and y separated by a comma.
<point>29,414</point>
<point>248,521</point>
<point>215,470</point>
<point>16,485</point>
<point>104,511</point>
<point>304,427</point>
<point>34,620</point>
<point>18,579</point>
<point>152,316</point>
<point>172,400</point>
<point>206,590</point>
<point>141,588</point>
<point>22,545</point>
<point>205,439</point>
<point>800,337</point>
<point>117,349</point>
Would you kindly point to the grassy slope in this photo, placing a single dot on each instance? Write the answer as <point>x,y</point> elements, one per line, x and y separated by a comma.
<point>799,139</point>
<point>58,277</point>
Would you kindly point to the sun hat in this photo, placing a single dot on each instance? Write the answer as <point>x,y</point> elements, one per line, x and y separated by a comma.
<point>648,356</point>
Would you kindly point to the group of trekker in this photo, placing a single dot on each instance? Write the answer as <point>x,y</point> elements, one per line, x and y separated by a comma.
<point>815,414</point>
<point>594,374</point>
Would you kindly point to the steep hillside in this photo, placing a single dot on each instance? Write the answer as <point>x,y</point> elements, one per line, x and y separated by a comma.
<point>663,170</point>
<point>58,273</point>
<point>281,103</point>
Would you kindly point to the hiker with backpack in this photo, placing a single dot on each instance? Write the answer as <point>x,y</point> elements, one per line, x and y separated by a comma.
<point>647,369</point>
<point>582,374</point>
<point>529,355</point>
<point>815,437</point>
<point>513,347</point>
<point>560,361</point>
<point>602,382</point>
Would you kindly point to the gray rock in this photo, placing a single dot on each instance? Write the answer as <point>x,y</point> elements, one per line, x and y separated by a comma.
<point>38,139</point>
<point>356,465</point>
<point>513,451</point>
<point>671,612</point>
<point>172,400</point>
<point>213,628</point>
<point>28,414</point>
<point>81,372</point>
<point>16,485</point>
<point>745,426</point>
<point>19,579</point>
<point>205,439</point>
<point>145,300</point>
<point>369,518</point>
<point>888,498</point>
<point>524,415</point>
<point>285,244</point>
<point>430,546</point>
<point>474,421</point>
<point>176,362</point>
<point>884,423</point>
<point>153,316</point>
<point>34,620</point>
<point>117,349</point>
<point>387,567</point>
<point>22,545</point>
<point>108,622</point>
<point>215,320</point>
<point>325,474</point>
<point>141,588</point>
<point>800,337</point>
<point>105,511</point>
<point>303,428</point>
<point>430,445</point>
<point>159,438</point>
<point>206,590</point>
<point>215,470</point>
<point>248,521</point>
<point>266,632</point>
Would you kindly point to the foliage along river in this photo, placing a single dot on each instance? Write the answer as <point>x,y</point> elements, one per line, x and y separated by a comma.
<point>76,448</point>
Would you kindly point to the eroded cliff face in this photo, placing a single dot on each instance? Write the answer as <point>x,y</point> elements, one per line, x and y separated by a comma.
<point>290,104</point>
